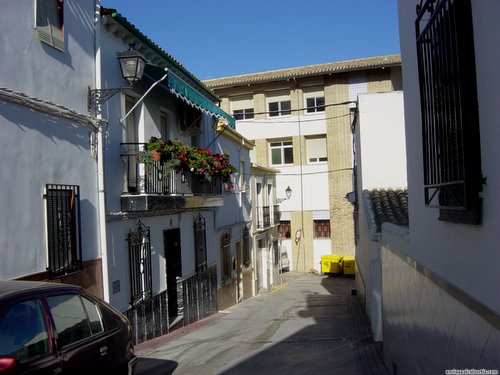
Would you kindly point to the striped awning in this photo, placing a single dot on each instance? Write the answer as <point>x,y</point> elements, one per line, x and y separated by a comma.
<point>188,93</point>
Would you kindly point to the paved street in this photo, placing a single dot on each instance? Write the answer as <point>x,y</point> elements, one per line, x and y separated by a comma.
<point>309,325</point>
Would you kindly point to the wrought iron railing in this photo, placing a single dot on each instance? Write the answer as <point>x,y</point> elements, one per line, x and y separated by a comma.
<point>197,300</point>
<point>156,178</point>
<point>267,216</point>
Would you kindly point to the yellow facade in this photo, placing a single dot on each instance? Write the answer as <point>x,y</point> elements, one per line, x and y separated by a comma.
<point>335,80</point>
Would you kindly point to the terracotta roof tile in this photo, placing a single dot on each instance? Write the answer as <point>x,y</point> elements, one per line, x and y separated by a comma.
<point>388,206</point>
<point>303,71</point>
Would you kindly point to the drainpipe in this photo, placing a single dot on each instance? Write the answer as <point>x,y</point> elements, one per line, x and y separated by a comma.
<point>100,158</point>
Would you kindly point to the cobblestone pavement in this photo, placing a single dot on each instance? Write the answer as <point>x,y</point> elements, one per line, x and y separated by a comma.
<point>310,324</point>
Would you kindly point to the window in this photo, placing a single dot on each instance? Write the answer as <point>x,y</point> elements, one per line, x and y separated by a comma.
<point>321,228</point>
<point>450,121</point>
<point>94,316</point>
<point>50,22</point>
<point>131,140</point>
<point>246,246</point>
<point>63,229</point>
<point>316,149</point>
<point>167,123</point>
<point>315,105</point>
<point>285,229</point>
<point>200,238</point>
<point>281,108</point>
<point>276,253</point>
<point>139,250</point>
<point>225,251</point>
<point>281,152</point>
<point>242,107</point>
<point>243,114</point>
<point>314,100</point>
<point>357,85</point>
<point>76,318</point>
<point>23,332</point>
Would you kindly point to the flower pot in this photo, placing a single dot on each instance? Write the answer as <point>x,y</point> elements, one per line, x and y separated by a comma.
<point>156,155</point>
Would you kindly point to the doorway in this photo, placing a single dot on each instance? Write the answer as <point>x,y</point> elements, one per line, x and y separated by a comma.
<point>172,248</point>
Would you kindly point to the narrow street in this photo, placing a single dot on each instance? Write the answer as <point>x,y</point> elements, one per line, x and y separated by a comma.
<point>308,325</point>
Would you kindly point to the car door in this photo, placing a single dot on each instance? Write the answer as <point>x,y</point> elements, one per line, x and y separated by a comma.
<point>81,339</point>
<point>25,334</point>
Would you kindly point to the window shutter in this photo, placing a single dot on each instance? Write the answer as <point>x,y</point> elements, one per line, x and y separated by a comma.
<point>50,22</point>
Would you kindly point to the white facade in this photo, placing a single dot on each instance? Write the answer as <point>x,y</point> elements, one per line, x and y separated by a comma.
<point>440,286</point>
<point>47,137</point>
<point>168,217</point>
<point>308,181</point>
<point>380,157</point>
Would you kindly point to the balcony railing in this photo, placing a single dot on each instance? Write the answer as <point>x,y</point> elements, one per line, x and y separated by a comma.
<point>156,179</point>
<point>267,216</point>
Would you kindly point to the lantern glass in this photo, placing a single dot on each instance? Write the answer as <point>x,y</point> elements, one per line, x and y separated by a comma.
<point>132,65</point>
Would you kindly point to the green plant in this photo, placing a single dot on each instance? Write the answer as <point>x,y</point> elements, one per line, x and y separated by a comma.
<point>159,146</point>
<point>200,161</point>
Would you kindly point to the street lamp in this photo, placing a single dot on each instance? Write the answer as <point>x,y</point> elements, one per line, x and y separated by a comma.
<point>132,65</point>
<point>288,193</point>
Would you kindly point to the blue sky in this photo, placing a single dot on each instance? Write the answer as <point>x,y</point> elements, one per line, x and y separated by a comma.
<point>217,38</point>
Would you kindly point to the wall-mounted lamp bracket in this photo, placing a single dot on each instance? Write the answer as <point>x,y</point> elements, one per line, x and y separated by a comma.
<point>97,97</point>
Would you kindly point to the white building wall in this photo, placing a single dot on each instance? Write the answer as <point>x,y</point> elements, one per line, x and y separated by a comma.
<point>381,164</point>
<point>39,70</point>
<point>440,301</point>
<point>382,148</point>
<point>38,148</point>
<point>445,247</point>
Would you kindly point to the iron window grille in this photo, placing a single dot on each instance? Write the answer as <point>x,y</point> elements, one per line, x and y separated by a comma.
<point>285,229</point>
<point>63,229</point>
<point>225,248</point>
<point>139,251</point>
<point>245,234</point>
<point>449,109</point>
<point>321,228</point>
<point>200,237</point>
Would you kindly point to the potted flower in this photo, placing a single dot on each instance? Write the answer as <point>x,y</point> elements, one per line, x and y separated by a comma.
<point>156,147</point>
<point>157,150</point>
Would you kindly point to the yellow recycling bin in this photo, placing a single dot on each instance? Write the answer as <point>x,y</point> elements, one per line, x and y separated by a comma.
<point>348,265</point>
<point>331,264</point>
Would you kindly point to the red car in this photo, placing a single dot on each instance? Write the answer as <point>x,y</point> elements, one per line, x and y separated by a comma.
<point>50,328</point>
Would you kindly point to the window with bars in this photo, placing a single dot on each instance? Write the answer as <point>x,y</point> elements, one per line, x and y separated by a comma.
<point>139,251</point>
<point>321,228</point>
<point>246,246</point>
<point>50,22</point>
<point>63,229</point>
<point>449,109</point>
<point>200,239</point>
<point>285,229</point>
<point>225,255</point>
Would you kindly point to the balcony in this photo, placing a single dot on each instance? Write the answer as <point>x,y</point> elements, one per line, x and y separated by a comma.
<point>267,216</point>
<point>158,188</point>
